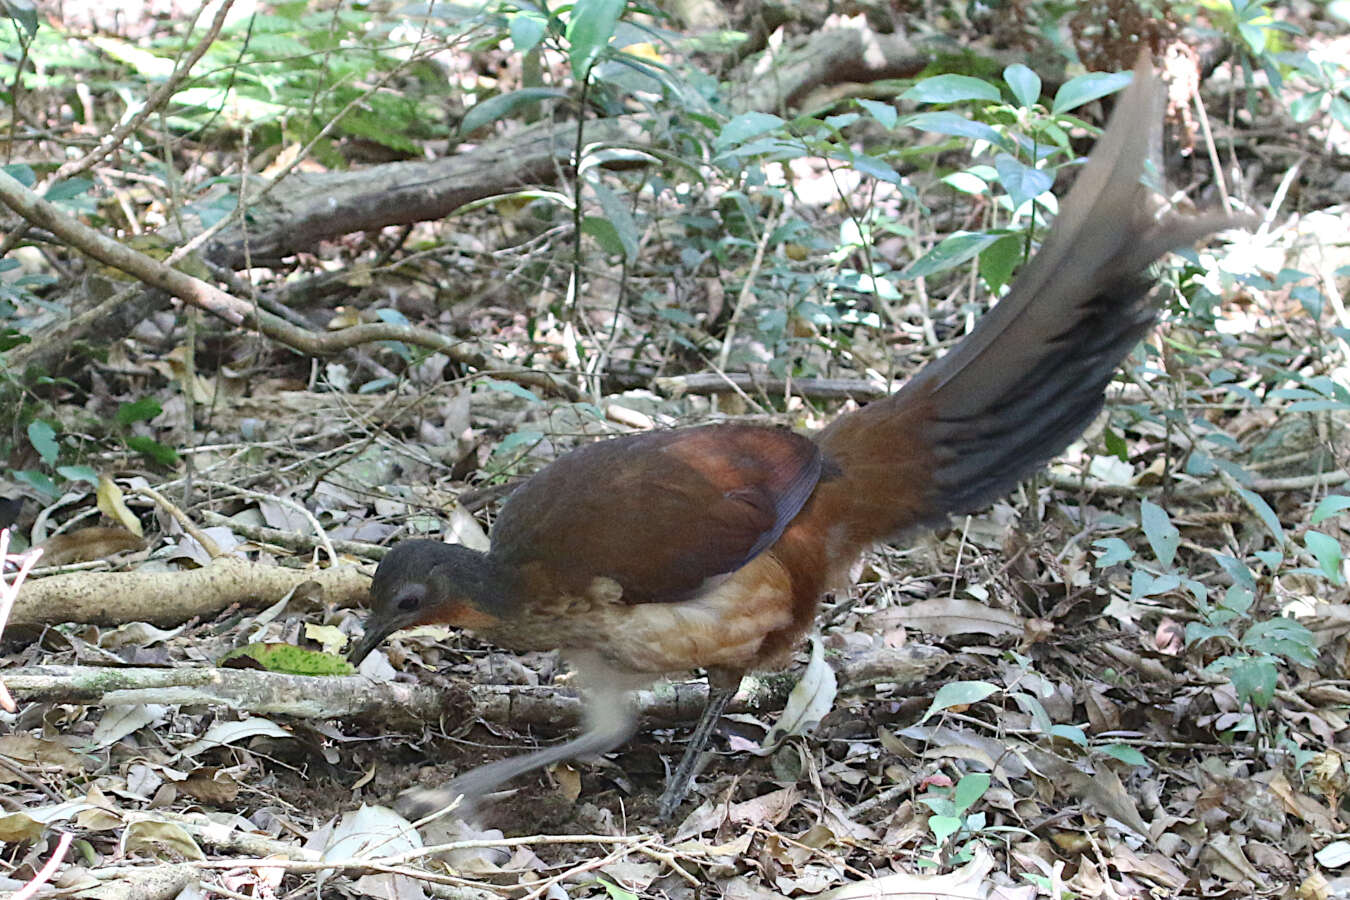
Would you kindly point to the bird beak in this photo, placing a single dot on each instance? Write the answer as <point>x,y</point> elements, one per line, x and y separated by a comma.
<point>375,634</point>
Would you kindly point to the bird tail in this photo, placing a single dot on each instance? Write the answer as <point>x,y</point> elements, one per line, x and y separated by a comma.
<point>1032,374</point>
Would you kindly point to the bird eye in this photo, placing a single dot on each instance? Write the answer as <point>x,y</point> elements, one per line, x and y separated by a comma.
<point>410,602</point>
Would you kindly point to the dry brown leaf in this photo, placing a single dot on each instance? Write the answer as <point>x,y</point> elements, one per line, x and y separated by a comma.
<point>947,616</point>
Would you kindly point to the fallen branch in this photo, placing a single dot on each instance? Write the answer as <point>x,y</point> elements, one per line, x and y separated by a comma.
<point>167,599</point>
<point>241,312</point>
<point>396,705</point>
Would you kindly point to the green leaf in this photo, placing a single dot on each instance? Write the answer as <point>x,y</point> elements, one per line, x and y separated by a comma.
<point>503,105</point>
<point>618,215</point>
<point>1115,444</point>
<point>153,450</point>
<point>1198,631</point>
<point>38,481</point>
<point>943,827</point>
<point>1254,679</point>
<point>970,789</point>
<point>589,32</point>
<point>957,126</point>
<point>998,260</point>
<point>1022,182</point>
<point>78,473</point>
<point>958,693</point>
<point>1142,584</point>
<point>884,113</point>
<point>1330,506</point>
<point>953,251</point>
<point>1162,535</point>
<point>43,438</point>
<point>1114,551</point>
<point>1262,509</point>
<point>951,89</point>
<point>1071,733</point>
<point>68,190</point>
<point>1283,637</point>
<point>516,439</point>
<point>1126,754</point>
<point>746,126</point>
<point>142,410</point>
<point>515,390</point>
<point>1327,551</point>
<point>288,658</point>
<point>527,30</point>
<point>616,892</point>
<point>11,338</point>
<point>876,168</point>
<point>1024,83</point>
<point>605,233</point>
<point>1086,88</point>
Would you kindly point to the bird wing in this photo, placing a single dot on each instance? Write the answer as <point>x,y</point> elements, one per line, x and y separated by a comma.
<point>661,513</point>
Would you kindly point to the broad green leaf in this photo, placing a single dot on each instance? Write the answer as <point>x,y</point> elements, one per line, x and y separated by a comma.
<point>957,126</point>
<point>1327,551</point>
<point>67,190</point>
<point>1071,733</point>
<point>970,789</point>
<point>943,827</point>
<point>618,215</point>
<point>605,233</point>
<point>1142,584</point>
<point>589,32</point>
<point>1114,551</point>
<point>998,260</point>
<point>958,693</point>
<point>1254,679</point>
<point>527,30</point>
<point>502,105</point>
<point>142,410</point>
<point>1022,182</point>
<point>1329,506</point>
<point>1024,83</point>
<point>1085,88</point>
<point>37,480</point>
<point>510,387</point>
<point>951,89</point>
<point>884,113</point>
<point>878,169</point>
<point>953,251</point>
<point>746,126</point>
<point>78,473</point>
<point>1284,637</point>
<point>1115,444</point>
<point>43,438</point>
<point>1258,505</point>
<point>153,450</point>
<point>1162,535</point>
<point>1126,754</point>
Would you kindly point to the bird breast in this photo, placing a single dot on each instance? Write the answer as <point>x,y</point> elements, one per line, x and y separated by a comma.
<point>724,626</point>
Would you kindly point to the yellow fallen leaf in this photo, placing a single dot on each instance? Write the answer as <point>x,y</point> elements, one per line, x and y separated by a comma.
<point>112,505</point>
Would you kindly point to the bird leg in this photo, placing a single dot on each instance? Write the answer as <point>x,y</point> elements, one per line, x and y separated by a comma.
<point>610,720</point>
<point>677,786</point>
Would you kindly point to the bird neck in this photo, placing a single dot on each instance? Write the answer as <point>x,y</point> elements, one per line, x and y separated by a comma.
<point>487,584</point>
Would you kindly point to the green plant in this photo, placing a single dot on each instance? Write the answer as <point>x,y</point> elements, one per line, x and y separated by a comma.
<point>954,823</point>
<point>1242,644</point>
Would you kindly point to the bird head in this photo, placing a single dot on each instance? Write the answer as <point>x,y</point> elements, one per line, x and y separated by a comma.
<point>431,583</point>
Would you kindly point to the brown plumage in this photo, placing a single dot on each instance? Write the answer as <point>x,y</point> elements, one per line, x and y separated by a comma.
<point>710,547</point>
